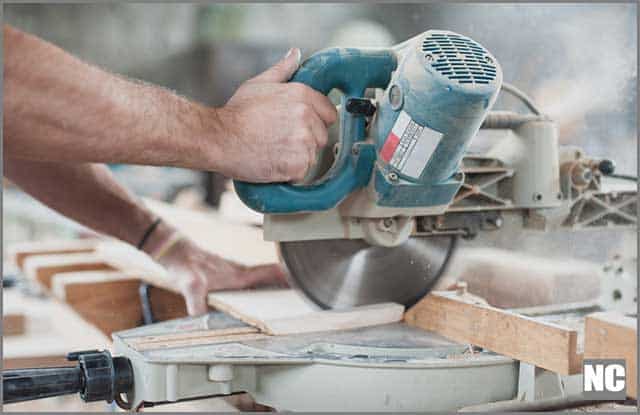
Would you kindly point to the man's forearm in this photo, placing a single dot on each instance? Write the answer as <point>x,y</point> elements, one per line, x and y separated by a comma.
<point>89,194</point>
<point>57,108</point>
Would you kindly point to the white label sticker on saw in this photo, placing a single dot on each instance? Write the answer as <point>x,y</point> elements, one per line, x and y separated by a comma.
<point>409,146</point>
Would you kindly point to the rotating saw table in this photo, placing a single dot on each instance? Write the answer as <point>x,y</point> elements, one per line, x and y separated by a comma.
<point>392,367</point>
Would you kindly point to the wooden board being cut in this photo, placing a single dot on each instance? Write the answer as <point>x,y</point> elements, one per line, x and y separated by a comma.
<point>457,318</point>
<point>279,312</point>
<point>611,335</point>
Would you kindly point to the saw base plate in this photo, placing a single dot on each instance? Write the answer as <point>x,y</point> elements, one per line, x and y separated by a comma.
<point>391,367</point>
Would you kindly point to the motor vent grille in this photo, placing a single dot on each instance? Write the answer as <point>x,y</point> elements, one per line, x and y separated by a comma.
<point>459,58</point>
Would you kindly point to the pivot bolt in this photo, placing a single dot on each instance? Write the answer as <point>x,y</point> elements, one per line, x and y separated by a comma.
<point>393,177</point>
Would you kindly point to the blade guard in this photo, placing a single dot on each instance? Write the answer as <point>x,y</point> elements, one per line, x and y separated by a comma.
<point>351,71</point>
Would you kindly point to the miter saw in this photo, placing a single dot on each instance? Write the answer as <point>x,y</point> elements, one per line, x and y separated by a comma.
<point>375,220</point>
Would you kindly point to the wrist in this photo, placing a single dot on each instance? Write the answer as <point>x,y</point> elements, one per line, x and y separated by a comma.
<point>205,132</point>
<point>159,237</point>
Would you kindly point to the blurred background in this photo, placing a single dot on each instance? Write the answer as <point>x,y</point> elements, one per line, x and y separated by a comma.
<point>577,61</point>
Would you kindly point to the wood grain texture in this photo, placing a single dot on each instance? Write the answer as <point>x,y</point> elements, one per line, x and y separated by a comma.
<point>110,300</point>
<point>166,304</point>
<point>611,335</point>
<point>546,345</point>
<point>42,268</point>
<point>279,312</point>
<point>19,252</point>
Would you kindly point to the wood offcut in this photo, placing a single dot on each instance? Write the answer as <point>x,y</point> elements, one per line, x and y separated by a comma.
<point>460,319</point>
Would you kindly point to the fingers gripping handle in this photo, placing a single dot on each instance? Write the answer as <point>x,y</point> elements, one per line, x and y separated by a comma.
<point>351,71</point>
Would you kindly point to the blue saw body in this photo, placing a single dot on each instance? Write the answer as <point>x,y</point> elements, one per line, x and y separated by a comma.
<point>438,88</point>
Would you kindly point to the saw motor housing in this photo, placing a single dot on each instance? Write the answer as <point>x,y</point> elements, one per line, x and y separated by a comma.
<point>432,93</point>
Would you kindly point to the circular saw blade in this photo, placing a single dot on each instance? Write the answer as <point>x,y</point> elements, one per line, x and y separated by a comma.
<point>342,273</point>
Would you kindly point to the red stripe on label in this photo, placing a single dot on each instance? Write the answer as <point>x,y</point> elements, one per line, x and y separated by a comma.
<point>389,147</point>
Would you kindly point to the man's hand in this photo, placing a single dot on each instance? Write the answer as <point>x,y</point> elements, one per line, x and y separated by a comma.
<point>197,272</point>
<point>271,129</point>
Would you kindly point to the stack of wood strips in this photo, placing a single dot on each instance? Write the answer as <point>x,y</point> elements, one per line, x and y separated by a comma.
<point>76,273</point>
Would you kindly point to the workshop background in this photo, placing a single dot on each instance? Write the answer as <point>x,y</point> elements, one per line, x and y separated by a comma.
<point>577,61</point>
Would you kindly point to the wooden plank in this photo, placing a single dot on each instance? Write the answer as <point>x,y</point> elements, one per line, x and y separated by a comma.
<point>612,335</point>
<point>166,304</point>
<point>255,306</point>
<point>42,268</point>
<point>363,316</point>
<point>110,300</point>
<point>63,283</point>
<point>543,344</point>
<point>13,324</point>
<point>19,252</point>
<point>279,312</point>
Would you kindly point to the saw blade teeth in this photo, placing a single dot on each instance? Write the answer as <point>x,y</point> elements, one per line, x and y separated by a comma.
<point>342,273</point>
